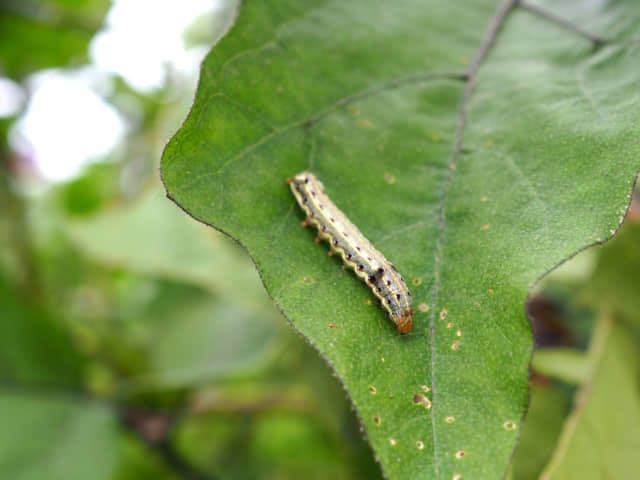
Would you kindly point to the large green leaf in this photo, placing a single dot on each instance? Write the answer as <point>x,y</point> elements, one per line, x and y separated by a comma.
<point>474,186</point>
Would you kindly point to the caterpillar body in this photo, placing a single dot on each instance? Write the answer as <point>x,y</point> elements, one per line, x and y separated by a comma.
<point>356,251</point>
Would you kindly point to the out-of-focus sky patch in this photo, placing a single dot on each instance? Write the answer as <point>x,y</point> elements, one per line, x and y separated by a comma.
<point>67,123</point>
<point>12,97</point>
<point>144,39</point>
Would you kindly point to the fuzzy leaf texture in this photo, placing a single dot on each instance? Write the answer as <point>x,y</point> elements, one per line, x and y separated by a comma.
<point>477,144</point>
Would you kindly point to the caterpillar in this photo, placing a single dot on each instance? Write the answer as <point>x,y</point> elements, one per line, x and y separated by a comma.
<point>356,251</point>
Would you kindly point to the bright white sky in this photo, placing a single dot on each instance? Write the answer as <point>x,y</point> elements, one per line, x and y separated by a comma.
<point>11,97</point>
<point>67,123</point>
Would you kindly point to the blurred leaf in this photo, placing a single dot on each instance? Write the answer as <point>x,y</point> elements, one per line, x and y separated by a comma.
<point>86,194</point>
<point>153,237</point>
<point>599,439</point>
<point>270,441</point>
<point>275,448</point>
<point>564,364</point>
<point>138,462</point>
<point>363,94</point>
<point>56,438</point>
<point>613,286</point>
<point>35,35</point>
<point>540,432</point>
<point>198,339</point>
<point>192,337</point>
<point>220,432</point>
<point>84,12</point>
<point>34,347</point>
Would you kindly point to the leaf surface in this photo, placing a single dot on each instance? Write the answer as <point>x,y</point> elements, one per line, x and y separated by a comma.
<point>476,144</point>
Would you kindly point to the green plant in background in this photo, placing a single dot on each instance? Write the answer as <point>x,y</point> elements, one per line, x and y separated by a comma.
<point>478,154</point>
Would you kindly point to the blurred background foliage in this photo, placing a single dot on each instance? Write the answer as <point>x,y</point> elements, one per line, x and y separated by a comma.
<point>136,343</point>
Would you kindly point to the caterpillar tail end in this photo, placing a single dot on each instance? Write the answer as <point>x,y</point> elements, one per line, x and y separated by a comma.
<point>404,324</point>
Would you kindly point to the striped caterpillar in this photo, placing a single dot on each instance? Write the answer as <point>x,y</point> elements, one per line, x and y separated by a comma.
<point>356,251</point>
